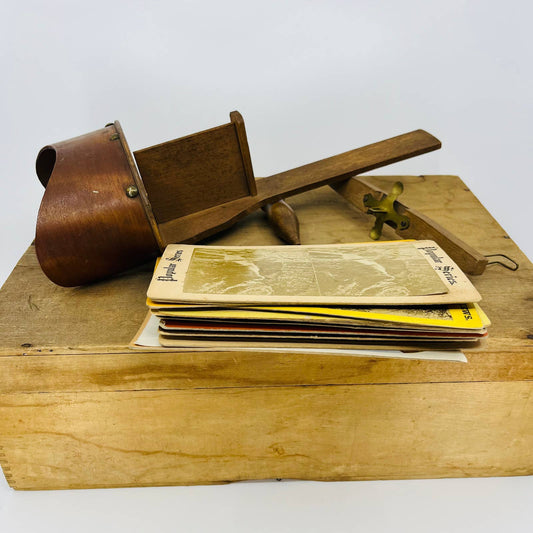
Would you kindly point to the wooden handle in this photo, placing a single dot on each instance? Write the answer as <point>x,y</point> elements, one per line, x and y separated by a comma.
<point>284,221</point>
<point>420,227</point>
<point>196,226</point>
<point>345,165</point>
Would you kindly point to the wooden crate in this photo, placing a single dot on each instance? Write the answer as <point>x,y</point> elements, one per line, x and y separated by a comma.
<point>78,409</point>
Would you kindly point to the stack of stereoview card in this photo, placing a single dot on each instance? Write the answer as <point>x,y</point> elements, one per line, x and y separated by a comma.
<point>395,294</point>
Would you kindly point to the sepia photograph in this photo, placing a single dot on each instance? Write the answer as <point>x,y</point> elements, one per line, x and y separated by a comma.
<point>385,273</point>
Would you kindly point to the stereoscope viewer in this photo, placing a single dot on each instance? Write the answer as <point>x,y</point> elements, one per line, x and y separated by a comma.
<point>106,209</point>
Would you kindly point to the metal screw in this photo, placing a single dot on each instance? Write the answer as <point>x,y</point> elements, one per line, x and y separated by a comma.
<point>132,191</point>
<point>114,137</point>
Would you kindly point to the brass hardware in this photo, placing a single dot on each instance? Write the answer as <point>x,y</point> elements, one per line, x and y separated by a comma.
<point>114,137</point>
<point>132,191</point>
<point>385,212</point>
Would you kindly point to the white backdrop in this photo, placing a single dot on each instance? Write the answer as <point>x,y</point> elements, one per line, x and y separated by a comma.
<point>311,79</point>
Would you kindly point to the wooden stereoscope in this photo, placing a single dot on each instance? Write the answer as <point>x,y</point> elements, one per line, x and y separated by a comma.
<point>106,209</point>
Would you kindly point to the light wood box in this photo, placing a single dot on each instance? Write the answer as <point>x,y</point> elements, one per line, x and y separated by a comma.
<point>78,409</point>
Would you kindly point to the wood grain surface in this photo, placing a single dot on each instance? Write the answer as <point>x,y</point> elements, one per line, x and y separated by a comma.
<point>202,222</point>
<point>193,173</point>
<point>79,409</point>
<point>140,438</point>
<point>420,226</point>
<point>88,228</point>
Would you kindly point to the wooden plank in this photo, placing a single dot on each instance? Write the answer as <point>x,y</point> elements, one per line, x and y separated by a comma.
<point>201,224</point>
<point>345,165</point>
<point>133,371</point>
<point>325,218</point>
<point>420,227</point>
<point>193,173</point>
<point>89,440</point>
<point>103,317</point>
<point>78,409</point>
